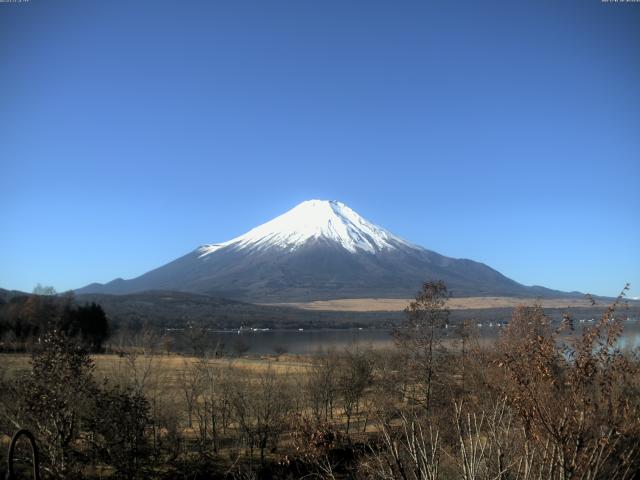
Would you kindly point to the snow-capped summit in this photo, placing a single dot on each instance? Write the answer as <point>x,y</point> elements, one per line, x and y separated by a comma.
<point>312,220</point>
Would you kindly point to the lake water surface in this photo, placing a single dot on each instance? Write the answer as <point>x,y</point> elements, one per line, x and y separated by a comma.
<point>310,341</point>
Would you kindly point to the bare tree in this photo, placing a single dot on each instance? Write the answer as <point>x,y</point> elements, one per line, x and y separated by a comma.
<point>354,376</point>
<point>410,450</point>
<point>189,384</point>
<point>240,347</point>
<point>420,337</point>
<point>260,410</point>
<point>280,350</point>
<point>466,332</point>
<point>210,402</point>
<point>196,334</point>
<point>47,290</point>
<point>321,385</point>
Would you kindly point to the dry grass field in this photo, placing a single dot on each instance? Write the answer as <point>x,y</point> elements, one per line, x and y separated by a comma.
<point>399,304</point>
<point>164,380</point>
<point>112,365</point>
<point>345,414</point>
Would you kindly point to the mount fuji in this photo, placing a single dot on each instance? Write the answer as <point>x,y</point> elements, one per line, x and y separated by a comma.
<point>318,250</point>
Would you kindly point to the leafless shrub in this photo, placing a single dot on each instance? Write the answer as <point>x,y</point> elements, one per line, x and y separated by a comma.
<point>409,449</point>
<point>573,400</point>
<point>313,442</point>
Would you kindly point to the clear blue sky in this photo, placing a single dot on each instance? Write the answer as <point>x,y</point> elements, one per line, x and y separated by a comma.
<point>503,131</point>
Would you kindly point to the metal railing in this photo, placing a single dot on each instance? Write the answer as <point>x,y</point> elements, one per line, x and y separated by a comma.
<point>34,454</point>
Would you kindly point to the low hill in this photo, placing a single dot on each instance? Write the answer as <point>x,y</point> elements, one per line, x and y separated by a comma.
<point>176,309</point>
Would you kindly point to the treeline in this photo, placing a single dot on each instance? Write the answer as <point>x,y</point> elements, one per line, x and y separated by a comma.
<point>135,312</point>
<point>24,320</point>
<point>537,405</point>
<point>178,309</point>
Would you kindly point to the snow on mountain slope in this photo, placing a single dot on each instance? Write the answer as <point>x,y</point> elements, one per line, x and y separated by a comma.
<point>312,220</point>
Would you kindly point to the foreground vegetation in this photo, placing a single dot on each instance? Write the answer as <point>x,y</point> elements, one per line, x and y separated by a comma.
<point>537,405</point>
